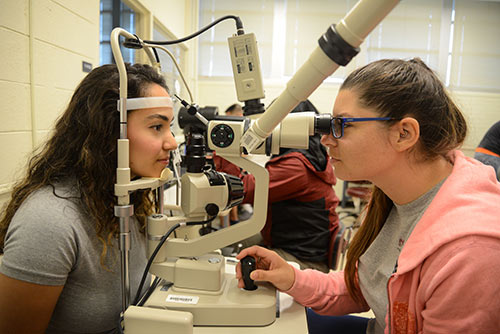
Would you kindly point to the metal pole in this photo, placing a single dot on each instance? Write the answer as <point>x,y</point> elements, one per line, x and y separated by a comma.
<point>124,212</point>
<point>161,201</point>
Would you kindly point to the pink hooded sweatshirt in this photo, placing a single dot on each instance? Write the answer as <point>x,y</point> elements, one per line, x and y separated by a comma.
<point>448,275</point>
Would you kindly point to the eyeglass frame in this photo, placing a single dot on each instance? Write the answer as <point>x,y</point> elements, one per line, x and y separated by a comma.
<point>354,119</point>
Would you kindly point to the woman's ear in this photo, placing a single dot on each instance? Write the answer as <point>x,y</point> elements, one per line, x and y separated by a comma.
<point>405,134</point>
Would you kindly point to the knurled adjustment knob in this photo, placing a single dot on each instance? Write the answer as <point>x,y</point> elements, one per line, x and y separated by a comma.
<point>212,209</point>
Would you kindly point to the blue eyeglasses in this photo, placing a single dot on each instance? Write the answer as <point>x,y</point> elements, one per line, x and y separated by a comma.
<point>337,123</point>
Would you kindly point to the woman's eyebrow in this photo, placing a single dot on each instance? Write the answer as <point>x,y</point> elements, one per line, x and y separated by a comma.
<point>162,117</point>
<point>341,115</point>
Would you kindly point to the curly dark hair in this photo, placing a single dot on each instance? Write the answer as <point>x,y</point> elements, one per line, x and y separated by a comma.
<point>83,149</point>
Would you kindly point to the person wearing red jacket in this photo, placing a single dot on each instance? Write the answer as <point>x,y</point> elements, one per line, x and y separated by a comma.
<point>301,220</point>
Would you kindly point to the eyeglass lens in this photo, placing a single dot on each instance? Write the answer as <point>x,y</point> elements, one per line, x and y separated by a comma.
<point>337,127</point>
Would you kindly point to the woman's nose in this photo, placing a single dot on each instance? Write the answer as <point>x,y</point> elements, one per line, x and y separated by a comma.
<point>328,140</point>
<point>170,143</point>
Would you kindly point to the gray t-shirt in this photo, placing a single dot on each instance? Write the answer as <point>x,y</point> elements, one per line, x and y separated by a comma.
<point>378,263</point>
<point>50,242</point>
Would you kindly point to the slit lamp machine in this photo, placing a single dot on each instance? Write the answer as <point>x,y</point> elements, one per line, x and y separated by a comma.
<point>191,286</point>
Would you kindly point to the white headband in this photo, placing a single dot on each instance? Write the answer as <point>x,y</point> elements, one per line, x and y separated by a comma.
<point>148,102</point>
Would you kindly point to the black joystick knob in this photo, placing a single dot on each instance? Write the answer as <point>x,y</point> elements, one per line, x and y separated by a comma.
<point>247,266</point>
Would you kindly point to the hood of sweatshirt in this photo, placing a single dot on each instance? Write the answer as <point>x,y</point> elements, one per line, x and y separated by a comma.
<point>468,203</point>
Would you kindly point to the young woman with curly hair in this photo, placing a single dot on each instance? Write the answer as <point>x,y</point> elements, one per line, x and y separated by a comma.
<point>61,266</point>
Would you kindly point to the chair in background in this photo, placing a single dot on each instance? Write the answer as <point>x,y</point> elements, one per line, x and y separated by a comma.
<point>355,196</point>
<point>340,245</point>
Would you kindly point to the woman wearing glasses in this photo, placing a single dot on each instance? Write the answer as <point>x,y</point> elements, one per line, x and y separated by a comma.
<point>426,256</point>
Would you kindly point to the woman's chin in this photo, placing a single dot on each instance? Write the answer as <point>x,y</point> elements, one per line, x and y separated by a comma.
<point>149,174</point>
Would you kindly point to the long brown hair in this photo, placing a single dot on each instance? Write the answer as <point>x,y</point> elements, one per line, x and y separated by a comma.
<point>82,149</point>
<point>398,88</point>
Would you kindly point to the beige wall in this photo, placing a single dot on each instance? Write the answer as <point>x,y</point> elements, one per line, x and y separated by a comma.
<point>176,16</point>
<point>170,12</point>
<point>41,63</point>
<point>481,109</point>
<point>44,44</point>
<point>15,106</point>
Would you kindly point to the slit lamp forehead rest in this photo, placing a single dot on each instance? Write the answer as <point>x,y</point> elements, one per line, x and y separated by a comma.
<point>147,102</point>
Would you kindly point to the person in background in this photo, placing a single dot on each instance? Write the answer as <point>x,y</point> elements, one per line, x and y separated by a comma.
<point>234,110</point>
<point>426,257</point>
<point>61,265</point>
<point>488,151</point>
<point>301,220</point>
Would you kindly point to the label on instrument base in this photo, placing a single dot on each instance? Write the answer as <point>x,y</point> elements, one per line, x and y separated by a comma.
<point>183,299</point>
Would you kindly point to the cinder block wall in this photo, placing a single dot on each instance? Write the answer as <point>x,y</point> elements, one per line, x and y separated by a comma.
<point>43,45</point>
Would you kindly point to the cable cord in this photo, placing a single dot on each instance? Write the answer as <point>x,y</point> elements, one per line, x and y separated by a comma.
<point>120,325</point>
<point>157,44</point>
<point>157,249</point>
<point>150,262</point>
<point>150,290</point>
<point>239,28</point>
<point>157,57</point>
<point>154,47</point>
